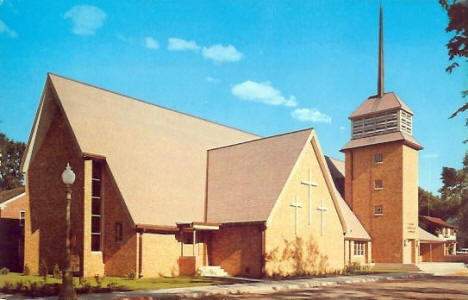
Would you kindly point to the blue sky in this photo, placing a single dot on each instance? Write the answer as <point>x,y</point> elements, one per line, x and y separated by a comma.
<point>266,67</point>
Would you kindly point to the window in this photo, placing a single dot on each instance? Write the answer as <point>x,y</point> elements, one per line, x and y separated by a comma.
<point>359,248</point>
<point>96,207</point>
<point>378,211</point>
<point>378,184</point>
<point>378,158</point>
<point>118,232</point>
<point>22,216</point>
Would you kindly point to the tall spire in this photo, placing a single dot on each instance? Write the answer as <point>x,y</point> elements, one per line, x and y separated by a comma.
<point>380,83</point>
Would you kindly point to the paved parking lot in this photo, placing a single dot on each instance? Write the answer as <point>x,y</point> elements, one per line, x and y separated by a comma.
<point>437,287</point>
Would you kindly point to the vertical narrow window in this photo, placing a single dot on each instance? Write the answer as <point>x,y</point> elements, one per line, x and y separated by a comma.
<point>378,184</point>
<point>22,216</point>
<point>359,248</point>
<point>96,207</point>
<point>378,158</point>
<point>118,232</point>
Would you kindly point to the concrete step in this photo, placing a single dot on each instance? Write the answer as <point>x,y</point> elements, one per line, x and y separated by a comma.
<point>212,271</point>
<point>441,267</point>
<point>395,267</point>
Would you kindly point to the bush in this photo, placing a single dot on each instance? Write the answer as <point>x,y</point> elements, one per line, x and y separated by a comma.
<point>7,287</point>
<point>99,280</point>
<point>85,286</point>
<point>57,272</point>
<point>4,271</point>
<point>43,269</point>
<point>131,275</point>
<point>19,286</point>
<point>26,270</point>
<point>112,286</point>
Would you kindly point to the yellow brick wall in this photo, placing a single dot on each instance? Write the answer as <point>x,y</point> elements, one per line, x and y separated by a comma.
<point>160,254</point>
<point>398,171</point>
<point>309,252</point>
<point>45,220</point>
<point>237,249</point>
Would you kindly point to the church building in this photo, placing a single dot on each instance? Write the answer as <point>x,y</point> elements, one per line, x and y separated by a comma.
<point>162,193</point>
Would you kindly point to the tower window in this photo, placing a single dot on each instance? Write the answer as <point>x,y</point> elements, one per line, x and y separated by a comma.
<point>378,158</point>
<point>378,184</point>
<point>22,216</point>
<point>378,211</point>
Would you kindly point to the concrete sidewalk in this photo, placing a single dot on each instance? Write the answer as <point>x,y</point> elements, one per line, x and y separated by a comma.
<point>261,286</point>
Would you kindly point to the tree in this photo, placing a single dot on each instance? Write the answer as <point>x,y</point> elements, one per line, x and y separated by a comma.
<point>11,153</point>
<point>457,12</point>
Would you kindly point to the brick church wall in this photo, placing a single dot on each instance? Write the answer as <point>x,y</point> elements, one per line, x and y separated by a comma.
<point>308,252</point>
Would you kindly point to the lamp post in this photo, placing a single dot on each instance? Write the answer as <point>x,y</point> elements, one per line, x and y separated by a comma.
<point>67,292</point>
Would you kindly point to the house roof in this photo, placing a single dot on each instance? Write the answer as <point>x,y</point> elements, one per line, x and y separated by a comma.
<point>438,221</point>
<point>374,104</point>
<point>157,156</point>
<point>9,194</point>
<point>246,179</point>
<point>355,228</point>
<point>425,236</point>
<point>384,138</point>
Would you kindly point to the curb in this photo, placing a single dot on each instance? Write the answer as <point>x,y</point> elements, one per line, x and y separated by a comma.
<point>274,287</point>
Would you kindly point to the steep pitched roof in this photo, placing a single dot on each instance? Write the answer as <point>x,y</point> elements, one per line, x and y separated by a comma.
<point>355,228</point>
<point>245,180</point>
<point>383,138</point>
<point>157,156</point>
<point>376,104</point>
<point>438,221</point>
<point>9,194</point>
<point>425,236</point>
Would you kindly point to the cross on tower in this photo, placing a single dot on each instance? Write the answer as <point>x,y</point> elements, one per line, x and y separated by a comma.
<point>322,209</point>
<point>296,206</point>
<point>309,184</point>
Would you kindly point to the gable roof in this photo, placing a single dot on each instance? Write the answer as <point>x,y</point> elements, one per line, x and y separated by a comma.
<point>246,179</point>
<point>157,156</point>
<point>7,195</point>
<point>355,228</point>
<point>374,104</point>
<point>438,221</point>
<point>425,236</point>
<point>407,139</point>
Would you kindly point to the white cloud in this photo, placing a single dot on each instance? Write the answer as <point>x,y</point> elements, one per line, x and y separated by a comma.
<point>430,155</point>
<point>1,2</point>
<point>219,53</point>
<point>7,30</point>
<point>211,79</point>
<point>151,43</point>
<point>86,19</point>
<point>176,44</point>
<point>310,115</point>
<point>262,92</point>
<point>342,128</point>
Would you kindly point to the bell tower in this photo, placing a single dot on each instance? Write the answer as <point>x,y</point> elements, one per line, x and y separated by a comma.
<point>381,172</point>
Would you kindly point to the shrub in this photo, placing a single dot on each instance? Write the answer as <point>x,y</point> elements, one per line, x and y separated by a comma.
<point>99,280</point>
<point>43,269</point>
<point>7,286</point>
<point>57,272</point>
<point>4,271</point>
<point>26,270</point>
<point>85,286</point>
<point>19,286</point>
<point>131,275</point>
<point>112,286</point>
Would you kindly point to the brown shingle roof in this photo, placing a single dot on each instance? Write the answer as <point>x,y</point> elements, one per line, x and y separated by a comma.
<point>8,194</point>
<point>245,180</point>
<point>439,221</point>
<point>375,105</point>
<point>157,156</point>
<point>384,138</point>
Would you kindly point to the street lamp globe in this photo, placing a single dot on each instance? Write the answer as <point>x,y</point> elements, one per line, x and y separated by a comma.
<point>68,176</point>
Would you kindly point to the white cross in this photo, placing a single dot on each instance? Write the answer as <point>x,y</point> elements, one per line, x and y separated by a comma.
<point>296,206</point>
<point>309,184</point>
<point>322,209</point>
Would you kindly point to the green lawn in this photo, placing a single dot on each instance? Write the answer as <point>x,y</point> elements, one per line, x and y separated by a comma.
<point>119,283</point>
